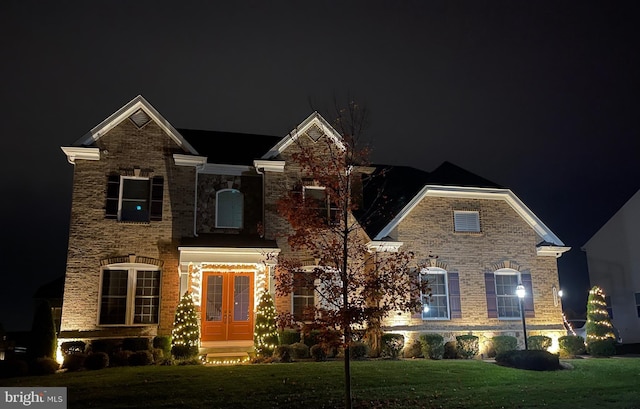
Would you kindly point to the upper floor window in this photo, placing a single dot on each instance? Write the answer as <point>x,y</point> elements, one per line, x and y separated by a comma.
<point>129,295</point>
<point>435,304</point>
<point>229,208</point>
<point>317,199</point>
<point>134,198</point>
<point>466,221</point>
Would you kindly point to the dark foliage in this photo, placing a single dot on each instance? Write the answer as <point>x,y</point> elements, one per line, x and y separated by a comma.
<point>571,345</point>
<point>43,366</point>
<point>135,344</point>
<point>74,362</point>
<point>141,358</point>
<point>535,360</point>
<point>73,347</point>
<point>432,346</point>
<point>602,348</point>
<point>467,346</point>
<point>502,343</point>
<point>96,360</point>
<point>539,342</point>
<point>13,367</point>
<point>43,340</point>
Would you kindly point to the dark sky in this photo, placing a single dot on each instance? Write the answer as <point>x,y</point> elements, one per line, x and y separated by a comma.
<point>538,96</point>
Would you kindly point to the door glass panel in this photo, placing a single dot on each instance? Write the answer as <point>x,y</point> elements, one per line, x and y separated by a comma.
<point>214,298</point>
<point>241,298</point>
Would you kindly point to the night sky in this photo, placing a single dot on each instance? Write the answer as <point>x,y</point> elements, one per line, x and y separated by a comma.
<point>538,96</point>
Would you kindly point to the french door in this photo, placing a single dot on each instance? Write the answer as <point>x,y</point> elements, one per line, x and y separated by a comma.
<point>227,306</point>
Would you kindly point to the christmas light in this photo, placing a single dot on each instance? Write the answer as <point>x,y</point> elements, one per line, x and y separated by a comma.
<point>599,325</point>
<point>265,330</point>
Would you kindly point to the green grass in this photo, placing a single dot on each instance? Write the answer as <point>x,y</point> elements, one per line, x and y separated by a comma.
<point>592,383</point>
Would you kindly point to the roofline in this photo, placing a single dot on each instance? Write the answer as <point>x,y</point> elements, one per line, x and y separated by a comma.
<point>121,114</point>
<point>314,119</point>
<point>474,193</point>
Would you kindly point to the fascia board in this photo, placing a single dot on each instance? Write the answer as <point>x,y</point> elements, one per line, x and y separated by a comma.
<point>189,160</point>
<point>224,255</point>
<point>123,113</point>
<point>555,251</point>
<point>75,152</point>
<point>384,246</point>
<point>269,165</point>
<point>313,119</point>
<point>475,193</point>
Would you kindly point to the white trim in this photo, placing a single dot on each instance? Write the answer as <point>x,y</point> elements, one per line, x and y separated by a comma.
<point>445,274</point>
<point>74,152</point>
<point>225,255</point>
<point>474,193</point>
<point>555,251</point>
<point>384,246</point>
<point>269,165</point>
<point>313,119</point>
<point>188,160</point>
<point>125,112</point>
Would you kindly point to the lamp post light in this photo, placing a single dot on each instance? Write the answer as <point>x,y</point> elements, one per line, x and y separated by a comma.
<point>520,292</point>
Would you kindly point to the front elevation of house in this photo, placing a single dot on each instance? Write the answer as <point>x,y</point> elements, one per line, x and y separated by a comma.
<point>158,211</point>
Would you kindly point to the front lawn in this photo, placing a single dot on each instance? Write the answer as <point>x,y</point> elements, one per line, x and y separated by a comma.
<point>420,383</point>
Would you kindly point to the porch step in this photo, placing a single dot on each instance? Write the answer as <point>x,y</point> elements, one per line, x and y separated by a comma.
<point>221,358</point>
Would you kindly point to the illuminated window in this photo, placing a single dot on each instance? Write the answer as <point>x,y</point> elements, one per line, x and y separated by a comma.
<point>229,208</point>
<point>129,296</point>
<point>435,304</point>
<point>466,221</point>
<point>303,296</point>
<point>507,300</point>
<point>134,199</point>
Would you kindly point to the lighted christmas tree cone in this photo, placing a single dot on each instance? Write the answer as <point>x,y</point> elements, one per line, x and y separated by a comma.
<point>266,333</point>
<point>600,337</point>
<point>186,332</point>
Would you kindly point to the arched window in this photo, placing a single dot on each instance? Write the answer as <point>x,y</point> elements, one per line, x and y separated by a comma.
<point>229,208</point>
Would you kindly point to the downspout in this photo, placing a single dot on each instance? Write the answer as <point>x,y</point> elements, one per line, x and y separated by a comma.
<point>195,201</point>
<point>260,171</point>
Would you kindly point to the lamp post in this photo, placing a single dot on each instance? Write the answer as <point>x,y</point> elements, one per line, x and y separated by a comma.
<point>520,292</point>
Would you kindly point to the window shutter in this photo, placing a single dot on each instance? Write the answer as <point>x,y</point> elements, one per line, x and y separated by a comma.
<point>454,295</point>
<point>466,221</point>
<point>113,196</point>
<point>490,288</point>
<point>157,192</point>
<point>528,299</point>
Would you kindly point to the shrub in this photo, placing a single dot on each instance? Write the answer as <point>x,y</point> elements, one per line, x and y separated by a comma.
<point>108,346</point>
<point>120,358</point>
<point>289,337</point>
<point>392,344</point>
<point>163,342</point>
<point>141,358</point>
<point>158,355</point>
<point>502,343</point>
<point>299,350</point>
<point>432,346</point>
<point>539,342</point>
<point>467,345</point>
<point>358,350</point>
<point>413,350</point>
<point>96,360</point>
<point>571,345</point>
<point>184,351</point>
<point>135,344</point>
<point>536,360</point>
<point>318,353</point>
<point>13,367</point>
<point>189,361</point>
<point>43,366</point>
<point>284,353</point>
<point>450,350</point>
<point>72,347</point>
<point>74,362</point>
<point>602,348</point>
<point>42,340</point>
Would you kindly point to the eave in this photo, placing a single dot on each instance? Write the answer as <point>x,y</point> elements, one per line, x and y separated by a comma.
<point>74,152</point>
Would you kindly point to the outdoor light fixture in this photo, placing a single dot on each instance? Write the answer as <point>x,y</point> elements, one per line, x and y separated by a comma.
<point>520,292</point>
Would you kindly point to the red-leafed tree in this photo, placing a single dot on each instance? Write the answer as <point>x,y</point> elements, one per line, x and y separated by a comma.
<point>355,286</point>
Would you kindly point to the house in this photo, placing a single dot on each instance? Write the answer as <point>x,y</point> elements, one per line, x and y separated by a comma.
<point>158,211</point>
<point>613,262</point>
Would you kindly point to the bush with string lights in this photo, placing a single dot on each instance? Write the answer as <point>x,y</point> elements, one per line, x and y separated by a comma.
<point>266,333</point>
<point>186,332</point>
<point>600,337</point>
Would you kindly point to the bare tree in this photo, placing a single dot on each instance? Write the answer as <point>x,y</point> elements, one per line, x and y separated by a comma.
<point>356,285</point>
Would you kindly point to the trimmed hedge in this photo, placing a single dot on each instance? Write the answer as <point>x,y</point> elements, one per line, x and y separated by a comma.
<point>571,345</point>
<point>392,344</point>
<point>535,360</point>
<point>432,346</point>
<point>467,345</point>
<point>539,342</point>
<point>503,343</point>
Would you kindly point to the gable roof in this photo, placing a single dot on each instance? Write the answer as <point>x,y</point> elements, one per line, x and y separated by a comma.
<point>408,186</point>
<point>313,120</point>
<point>125,112</point>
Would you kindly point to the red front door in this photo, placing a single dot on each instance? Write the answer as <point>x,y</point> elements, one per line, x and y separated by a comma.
<point>227,306</point>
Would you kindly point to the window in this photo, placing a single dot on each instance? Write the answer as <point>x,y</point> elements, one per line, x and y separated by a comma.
<point>638,303</point>
<point>303,296</point>
<point>130,296</point>
<point>134,198</point>
<point>507,300</point>
<point>229,208</point>
<point>316,198</point>
<point>435,304</point>
<point>466,221</point>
